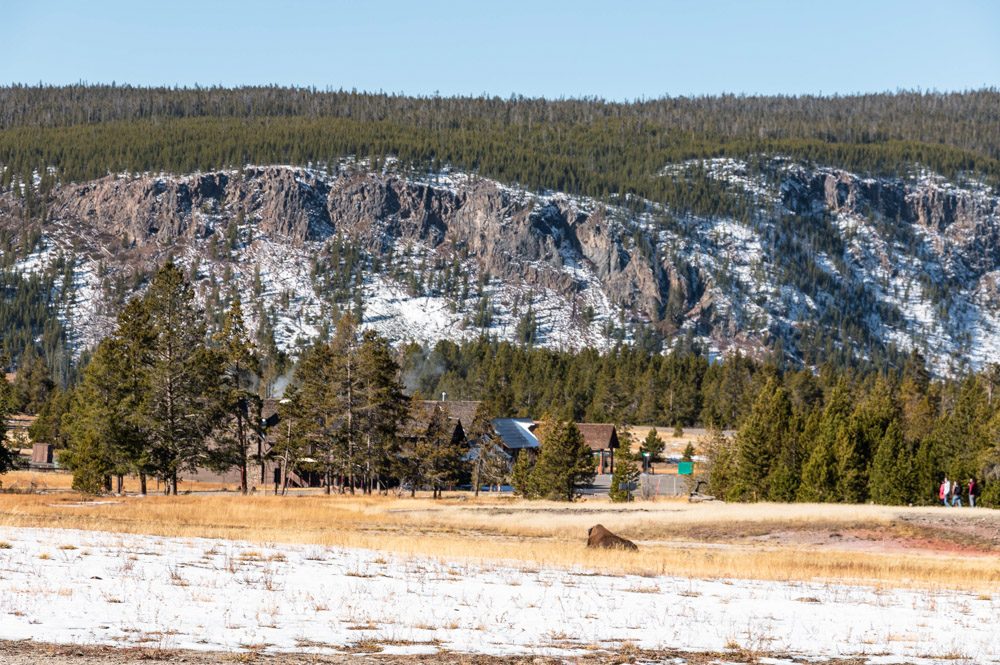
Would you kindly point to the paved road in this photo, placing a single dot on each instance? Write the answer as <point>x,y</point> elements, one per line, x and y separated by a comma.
<point>661,484</point>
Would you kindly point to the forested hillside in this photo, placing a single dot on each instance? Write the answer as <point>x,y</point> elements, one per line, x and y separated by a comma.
<point>588,147</point>
<point>798,230</point>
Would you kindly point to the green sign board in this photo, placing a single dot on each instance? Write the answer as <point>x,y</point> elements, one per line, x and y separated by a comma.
<point>685,468</point>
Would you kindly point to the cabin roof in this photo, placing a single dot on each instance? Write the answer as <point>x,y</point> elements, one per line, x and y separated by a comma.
<point>516,433</point>
<point>599,436</point>
<point>462,410</point>
<point>415,425</point>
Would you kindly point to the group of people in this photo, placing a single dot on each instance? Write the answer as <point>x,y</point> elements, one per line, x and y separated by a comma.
<point>951,492</point>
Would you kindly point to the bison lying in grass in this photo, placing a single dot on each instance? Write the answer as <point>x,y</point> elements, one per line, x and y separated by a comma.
<point>598,536</point>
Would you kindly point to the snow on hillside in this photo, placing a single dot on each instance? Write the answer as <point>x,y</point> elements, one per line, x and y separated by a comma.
<point>940,300</point>
<point>284,267</point>
<point>129,590</point>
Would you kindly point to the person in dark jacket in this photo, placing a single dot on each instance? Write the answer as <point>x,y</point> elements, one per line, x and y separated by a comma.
<point>973,492</point>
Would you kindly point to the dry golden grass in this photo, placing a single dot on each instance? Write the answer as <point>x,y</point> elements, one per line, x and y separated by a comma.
<point>37,481</point>
<point>707,540</point>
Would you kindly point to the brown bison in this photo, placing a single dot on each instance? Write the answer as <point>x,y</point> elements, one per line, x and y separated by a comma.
<point>598,536</point>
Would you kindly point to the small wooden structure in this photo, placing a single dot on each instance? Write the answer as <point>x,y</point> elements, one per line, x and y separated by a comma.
<point>456,412</point>
<point>42,456</point>
<point>602,438</point>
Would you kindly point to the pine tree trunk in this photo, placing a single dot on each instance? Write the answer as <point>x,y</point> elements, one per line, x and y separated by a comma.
<point>142,484</point>
<point>241,440</point>
<point>284,467</point>
<point>479,461</point>
<point>173,483</point>
<point>350,420</point>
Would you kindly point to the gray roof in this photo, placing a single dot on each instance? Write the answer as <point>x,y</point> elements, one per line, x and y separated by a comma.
<point>462,411</point>
<point>516,432</point>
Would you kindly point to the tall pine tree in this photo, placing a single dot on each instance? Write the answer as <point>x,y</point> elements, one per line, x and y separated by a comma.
<point>182,402</point>
<point>240,434</point>
<point>565,464</point>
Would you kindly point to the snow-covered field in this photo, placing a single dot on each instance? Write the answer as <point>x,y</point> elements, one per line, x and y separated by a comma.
<point>104,588</point>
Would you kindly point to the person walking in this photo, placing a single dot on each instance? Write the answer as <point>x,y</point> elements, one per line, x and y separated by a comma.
<point>973,492</point>
<point>956,494</point>
<point>945,491</point>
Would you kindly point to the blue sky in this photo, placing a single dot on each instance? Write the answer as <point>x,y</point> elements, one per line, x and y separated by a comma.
<point>616,50</point>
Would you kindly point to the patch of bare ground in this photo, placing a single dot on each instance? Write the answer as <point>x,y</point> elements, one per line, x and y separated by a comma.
<point>914,534</point>
<point>27,652</point>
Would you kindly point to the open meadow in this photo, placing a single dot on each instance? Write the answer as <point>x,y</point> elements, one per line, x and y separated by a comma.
<point>419,579</point>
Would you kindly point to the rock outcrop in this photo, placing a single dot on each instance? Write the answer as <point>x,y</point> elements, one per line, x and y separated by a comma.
<point>912,261</point>
<point>967,223</point>
<point>512,237</point>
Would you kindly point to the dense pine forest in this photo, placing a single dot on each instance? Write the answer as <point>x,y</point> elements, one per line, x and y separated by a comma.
<point>830,435</point>
<point>586,146</point>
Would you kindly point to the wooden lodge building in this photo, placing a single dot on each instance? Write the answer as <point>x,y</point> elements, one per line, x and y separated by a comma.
<point>518,436</point>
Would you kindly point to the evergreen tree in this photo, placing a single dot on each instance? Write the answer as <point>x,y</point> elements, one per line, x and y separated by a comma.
<point>762,439</point>
<point>440,452</point>
<point>316,422</point>
<point>625,472</point>
<point>48,427</point>
<point>32,384</point>
<point>652,446</point>
<point>87,458</point>
<point>494,465</point>
<point>858,440</point>
<point>289,448</point>
<point>383,406</point>
<point>490,462</point>
<point>93,426</point>
<point>565,463</point>
<point>8,457</point>
<point>347,400</point>
<point>720,463</point>
<point>929,470</point>
<point>819,473</point>
<point>104,424</point>
<point>134,340</point>
<point>964,432</point>
<point>182,401</point>
<point>893,469</point>
<point>520,476</point>
<point>240,432</point>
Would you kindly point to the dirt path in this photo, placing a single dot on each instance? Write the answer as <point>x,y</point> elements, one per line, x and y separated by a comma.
<point>25,652</point>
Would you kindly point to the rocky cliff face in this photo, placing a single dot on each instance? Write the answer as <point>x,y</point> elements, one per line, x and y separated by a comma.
<point>513,237</point>
<point>574,262</point>
<point>963,221</point>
